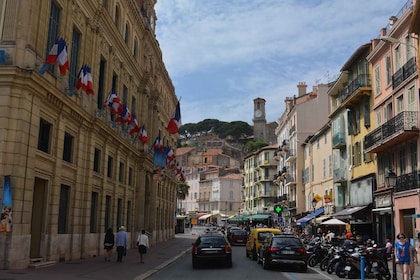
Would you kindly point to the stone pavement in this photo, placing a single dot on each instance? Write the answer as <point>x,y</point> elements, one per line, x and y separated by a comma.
<point>158,256</point>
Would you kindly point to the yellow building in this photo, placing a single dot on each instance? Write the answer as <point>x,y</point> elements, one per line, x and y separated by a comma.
<point>74,170</point>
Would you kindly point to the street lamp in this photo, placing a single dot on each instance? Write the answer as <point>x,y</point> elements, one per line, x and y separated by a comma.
<point>391,181</point>
<point>314,203</point>
<point>393,40</point>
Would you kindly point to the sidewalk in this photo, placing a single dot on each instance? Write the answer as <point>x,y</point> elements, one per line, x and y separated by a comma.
<point>158,256</point>
<point>399,275</point>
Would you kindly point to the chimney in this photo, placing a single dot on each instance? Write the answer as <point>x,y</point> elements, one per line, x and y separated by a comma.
<point>301,88</point>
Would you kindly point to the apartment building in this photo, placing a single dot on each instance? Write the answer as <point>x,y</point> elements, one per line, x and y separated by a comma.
<point>395,139</point>
<point>72,170</point>
<point>295,125</point>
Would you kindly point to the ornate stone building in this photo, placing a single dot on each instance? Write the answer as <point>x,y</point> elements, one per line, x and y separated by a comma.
<point>74,171</point>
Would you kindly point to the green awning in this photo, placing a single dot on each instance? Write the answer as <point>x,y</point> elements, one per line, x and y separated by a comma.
<point>260,217</point>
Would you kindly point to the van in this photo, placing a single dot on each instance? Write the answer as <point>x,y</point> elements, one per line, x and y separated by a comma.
<point>255,238</point>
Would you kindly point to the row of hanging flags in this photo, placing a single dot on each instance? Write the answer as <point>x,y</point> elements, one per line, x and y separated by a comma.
<point>164,157</point>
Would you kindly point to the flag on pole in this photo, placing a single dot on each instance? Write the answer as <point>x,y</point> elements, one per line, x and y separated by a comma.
<point>114,103</point>
<point>85,81</point>
<point>143,134</point>
<point>58,53</point>
<point>175,122</point>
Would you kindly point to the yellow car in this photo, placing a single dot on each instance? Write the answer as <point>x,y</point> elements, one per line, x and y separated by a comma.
<point>255,239</point>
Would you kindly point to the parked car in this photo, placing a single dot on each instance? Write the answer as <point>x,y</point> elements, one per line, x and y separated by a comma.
<point>285,249</point>
<point>255,238</point>
<point>238,237</point>
<point>230,230</point>
<point>212,247</point>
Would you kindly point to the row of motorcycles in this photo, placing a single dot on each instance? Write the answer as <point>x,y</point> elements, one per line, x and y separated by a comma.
<point>344,259</point>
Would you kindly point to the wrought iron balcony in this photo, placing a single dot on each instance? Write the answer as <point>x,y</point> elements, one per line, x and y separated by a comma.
<point>404,72</point>
<point>361,81</point>
<point>408,181</point>
<point>398,129</point>
<point>291,155</point>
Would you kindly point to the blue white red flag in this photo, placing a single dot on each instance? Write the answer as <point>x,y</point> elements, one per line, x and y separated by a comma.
<point>114,103</point>
<point>85,81</point>
<point>158,144</point>
<point>134,127</point>
<point>125,116</point>
<point>169,156</point>
<point>58,53</point>
<point>175,122</point>
<point>143,134</point>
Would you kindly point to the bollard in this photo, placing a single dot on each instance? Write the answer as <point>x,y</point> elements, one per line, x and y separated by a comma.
<point>362,267</point>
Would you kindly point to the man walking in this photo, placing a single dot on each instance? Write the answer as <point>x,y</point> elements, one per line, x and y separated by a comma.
<point>121,242</point>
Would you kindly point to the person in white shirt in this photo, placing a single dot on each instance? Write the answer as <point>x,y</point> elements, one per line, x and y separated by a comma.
<point>143,244</point>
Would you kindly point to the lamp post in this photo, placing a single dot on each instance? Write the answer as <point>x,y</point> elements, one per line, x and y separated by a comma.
<point>391,180</point>
<point>314,203</point>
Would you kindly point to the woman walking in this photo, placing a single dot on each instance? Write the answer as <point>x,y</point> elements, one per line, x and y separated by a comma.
<point>109,242</point>
<point>143,243</point>
<point>403,255</point>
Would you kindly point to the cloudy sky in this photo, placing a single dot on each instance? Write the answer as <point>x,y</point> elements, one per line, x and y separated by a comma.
<point>222,54</point>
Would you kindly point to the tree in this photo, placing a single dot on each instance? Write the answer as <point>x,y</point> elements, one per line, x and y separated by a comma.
<point>182,193</point>
<point>253,146</point>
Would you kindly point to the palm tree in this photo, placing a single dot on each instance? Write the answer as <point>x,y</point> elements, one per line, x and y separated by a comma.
<point>182,192</point>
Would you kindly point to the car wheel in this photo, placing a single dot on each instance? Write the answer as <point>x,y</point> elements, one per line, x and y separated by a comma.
<point>254,255</point>
<point>265,263</point>
<point>229,263</point>
<point>194,264</point>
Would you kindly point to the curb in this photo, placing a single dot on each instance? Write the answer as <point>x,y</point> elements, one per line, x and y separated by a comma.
<point>161,266</point>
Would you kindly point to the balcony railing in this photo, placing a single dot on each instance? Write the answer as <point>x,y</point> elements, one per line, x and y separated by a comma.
<point>408,181</point>
<point>339,175</point>
<point>339,140</point>
<point>404,72</point>
<point>362,80</point>
<point>291,154</point>
<point>404,121</point>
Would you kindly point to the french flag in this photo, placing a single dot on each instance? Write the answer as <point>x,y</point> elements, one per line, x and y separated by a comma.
<point>175,122</point>
<point>58,53</point>
<point>170,155</point>
<point>143,134</point>
<point>125,116</point>
<point>134,126</point>
<point>114,103</point>
<point>158,144</point>
<point>85,81</point>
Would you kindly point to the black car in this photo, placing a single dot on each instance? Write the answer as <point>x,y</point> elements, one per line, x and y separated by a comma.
<point>286,249</point>
<point>211,247</point>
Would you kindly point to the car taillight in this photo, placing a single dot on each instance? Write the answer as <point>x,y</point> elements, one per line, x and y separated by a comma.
<point>301,250</point>
<point>228,249</point>
<point>195,250</point>
<point>273,249</point>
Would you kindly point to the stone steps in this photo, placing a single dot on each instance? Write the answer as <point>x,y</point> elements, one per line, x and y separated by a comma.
<point>39,262</point>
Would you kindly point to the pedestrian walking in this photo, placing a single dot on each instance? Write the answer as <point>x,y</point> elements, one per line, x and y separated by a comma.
<point>109,242</point>
<point>143,244</point>
<point>121,243</point>
<point>403,255</point>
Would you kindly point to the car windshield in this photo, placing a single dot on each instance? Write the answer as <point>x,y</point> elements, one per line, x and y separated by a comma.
<point>286,242</point>
<point>240,233</point>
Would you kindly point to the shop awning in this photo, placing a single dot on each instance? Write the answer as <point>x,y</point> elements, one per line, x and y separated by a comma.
<point>346,214</point>
<point>259,217</point>
<point>304,220</point>
<point>322,218</point>
<point>205,217</point>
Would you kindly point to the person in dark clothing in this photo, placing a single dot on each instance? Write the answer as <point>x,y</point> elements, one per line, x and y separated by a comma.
<point>109,242</point>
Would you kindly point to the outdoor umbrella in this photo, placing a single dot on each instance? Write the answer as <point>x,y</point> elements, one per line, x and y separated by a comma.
<point>334,222</point>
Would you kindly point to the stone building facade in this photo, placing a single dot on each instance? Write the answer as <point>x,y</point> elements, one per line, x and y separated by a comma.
<point>74,171</point>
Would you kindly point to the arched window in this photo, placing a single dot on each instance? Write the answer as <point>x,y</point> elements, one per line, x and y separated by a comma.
<point>117,16</point>
<point>135,48</point>
<point>127,33</point>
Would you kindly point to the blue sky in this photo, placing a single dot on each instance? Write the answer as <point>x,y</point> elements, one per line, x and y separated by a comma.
<point>222,54</point>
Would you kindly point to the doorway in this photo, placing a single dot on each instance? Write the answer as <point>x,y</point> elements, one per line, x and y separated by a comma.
<point>38,214</point>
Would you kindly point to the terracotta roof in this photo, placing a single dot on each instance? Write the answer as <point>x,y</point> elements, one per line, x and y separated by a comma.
<point>232,176</point>
<point>213,152</point>
<point>182,151</point>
